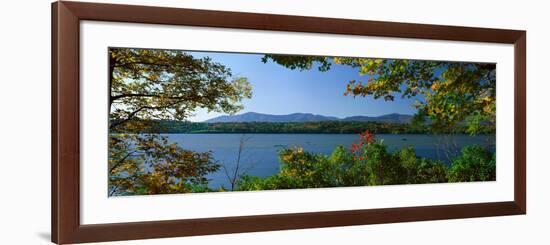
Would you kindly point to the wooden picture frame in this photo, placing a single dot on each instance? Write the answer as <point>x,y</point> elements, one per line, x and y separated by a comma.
<point>66,226</point>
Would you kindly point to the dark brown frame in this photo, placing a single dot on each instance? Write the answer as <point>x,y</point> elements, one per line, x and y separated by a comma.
<point>66,227</point>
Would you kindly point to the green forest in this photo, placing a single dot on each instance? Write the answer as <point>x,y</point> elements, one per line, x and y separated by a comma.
<point>322,127</point>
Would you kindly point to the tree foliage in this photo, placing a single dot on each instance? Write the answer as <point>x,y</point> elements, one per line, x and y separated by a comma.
<point>474,164</point>
<point>169,84</point>
<point>148,164</point>
<point>146,85</point>
<point>448,93</point>
<point>302,62</point>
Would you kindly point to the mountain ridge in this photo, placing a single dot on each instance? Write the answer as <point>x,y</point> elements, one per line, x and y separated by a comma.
<point>308,117</point>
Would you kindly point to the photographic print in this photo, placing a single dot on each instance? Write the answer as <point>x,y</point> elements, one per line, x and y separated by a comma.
<point>194,121</point>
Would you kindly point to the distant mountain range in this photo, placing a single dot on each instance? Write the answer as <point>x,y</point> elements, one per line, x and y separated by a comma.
<point>307,117</point>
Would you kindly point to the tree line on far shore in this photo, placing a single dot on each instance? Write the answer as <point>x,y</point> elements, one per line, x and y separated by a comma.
<point>321,127</point>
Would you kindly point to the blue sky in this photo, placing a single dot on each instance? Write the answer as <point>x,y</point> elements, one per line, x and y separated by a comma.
<point>279,90</point>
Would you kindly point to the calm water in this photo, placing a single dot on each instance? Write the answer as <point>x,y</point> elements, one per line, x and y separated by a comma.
<point>260,158</point>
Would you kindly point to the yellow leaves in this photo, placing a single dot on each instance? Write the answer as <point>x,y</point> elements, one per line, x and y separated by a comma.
<point>489,109</point>
<point>154,165</point>
<point>363,70</point>
<point>452,108</point>
<point>153,77</point>
<point>435,110</point>
<point>286,158</point>
<point>434,86</point>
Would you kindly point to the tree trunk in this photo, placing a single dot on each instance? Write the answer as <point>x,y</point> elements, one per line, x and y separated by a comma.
<point>110,81</point>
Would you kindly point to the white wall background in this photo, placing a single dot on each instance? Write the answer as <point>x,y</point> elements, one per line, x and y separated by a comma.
<point>25,121</point>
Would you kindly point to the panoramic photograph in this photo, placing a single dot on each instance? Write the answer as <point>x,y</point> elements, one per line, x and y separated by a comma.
<point>193,121</point>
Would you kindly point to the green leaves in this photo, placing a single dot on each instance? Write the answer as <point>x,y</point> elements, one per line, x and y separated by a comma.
<point>474,164</point>
<point>298,62</point>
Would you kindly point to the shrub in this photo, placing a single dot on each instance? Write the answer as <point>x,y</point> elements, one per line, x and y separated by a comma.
<point>428,171</point>
<point>420,170</point>
<point>383,167</point>
<point>273,182</point>
<point>305,169</point>
<point>370,163</point>
<point>350,170</point>
<point>474,164</point>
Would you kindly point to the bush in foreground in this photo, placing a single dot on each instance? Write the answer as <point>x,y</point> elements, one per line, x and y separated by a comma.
<point>369,163</point>
<point>474,164</point>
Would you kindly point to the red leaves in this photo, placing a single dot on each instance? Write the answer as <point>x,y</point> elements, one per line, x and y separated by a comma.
<point>365,138</point>
<point>354,147</point>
